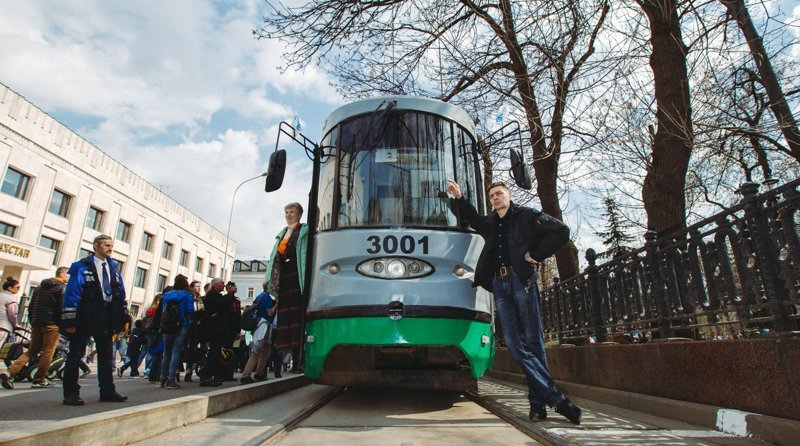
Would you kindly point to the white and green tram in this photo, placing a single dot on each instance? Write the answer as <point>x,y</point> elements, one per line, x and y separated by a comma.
<point>390,300</point>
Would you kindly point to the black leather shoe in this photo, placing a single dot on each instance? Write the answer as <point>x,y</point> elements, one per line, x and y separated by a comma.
<point>113,398</point>
<point>208,383</point>
<point>73,401</point>
<point>569,410</point>
<point>538,412</point>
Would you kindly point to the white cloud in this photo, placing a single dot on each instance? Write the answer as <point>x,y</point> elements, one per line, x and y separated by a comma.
<point>143,80</point>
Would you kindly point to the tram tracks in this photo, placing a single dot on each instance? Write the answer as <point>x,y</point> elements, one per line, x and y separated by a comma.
<point>371,411</point>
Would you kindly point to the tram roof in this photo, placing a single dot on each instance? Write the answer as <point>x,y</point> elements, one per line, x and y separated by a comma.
<point>427,105</point>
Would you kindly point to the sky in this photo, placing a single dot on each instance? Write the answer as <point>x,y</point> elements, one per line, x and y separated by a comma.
<point>180,92</point>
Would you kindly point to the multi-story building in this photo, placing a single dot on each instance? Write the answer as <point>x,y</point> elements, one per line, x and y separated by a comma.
<point>249,276</point>
<point>59,192</point>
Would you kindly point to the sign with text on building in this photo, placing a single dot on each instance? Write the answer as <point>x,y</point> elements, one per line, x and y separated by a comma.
<point>15,250</point>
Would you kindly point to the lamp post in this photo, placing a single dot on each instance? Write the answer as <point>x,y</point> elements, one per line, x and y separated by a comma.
<point>230,220</point>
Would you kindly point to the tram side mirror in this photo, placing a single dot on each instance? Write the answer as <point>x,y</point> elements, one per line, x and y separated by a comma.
<point>519,170</point>
<point>275,171</point>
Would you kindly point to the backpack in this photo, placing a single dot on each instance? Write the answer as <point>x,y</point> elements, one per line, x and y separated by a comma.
<point>250,318</point>
<point>171,322</point>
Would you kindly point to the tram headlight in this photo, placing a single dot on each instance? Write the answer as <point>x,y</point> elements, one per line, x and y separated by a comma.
<point>395,268</point>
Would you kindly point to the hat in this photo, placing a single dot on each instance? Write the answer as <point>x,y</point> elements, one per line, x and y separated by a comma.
<point>230,283</point>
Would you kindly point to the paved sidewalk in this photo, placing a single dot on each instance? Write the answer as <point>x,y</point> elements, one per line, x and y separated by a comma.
<point>607,424</point>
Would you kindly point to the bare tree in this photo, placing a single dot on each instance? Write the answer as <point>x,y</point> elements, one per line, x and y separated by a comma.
<point>527,55</point>
<point>769,79</point>
<point>663,188</point>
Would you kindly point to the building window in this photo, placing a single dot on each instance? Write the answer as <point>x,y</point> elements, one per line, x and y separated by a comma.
<point>184,257</point>
<point>250,292</point>
<point>50,243</point>
<point>85,253</point>
<point>237,266</point>
<point>212,270</point>
<point>59,203</point>
<point>140,278</point>
<point>198,266</point>
<point>124,231</point>
<point>254,266</point>
<point>15,183</point>
<point>134,311</point>
<point>120,265</point>
<point>147,242</point>
<point>8,229</point>
<point>94,219</point>
<point>161,283</point>
<point>166,250</point>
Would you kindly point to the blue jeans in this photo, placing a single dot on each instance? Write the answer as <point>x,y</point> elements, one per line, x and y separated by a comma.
<point>520,316</point>
<point>173,345</point>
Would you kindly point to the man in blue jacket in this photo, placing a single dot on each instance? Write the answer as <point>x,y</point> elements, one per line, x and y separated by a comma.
<point>94,306</point>
<point>517,239</point>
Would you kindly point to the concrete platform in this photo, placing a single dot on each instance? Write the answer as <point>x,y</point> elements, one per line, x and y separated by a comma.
<point>135,422</point>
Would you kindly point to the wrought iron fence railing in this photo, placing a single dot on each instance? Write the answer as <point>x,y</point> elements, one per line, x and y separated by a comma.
<point>729,276</point>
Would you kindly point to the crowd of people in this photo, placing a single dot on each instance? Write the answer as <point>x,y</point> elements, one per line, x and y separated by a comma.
<point>184,332</point>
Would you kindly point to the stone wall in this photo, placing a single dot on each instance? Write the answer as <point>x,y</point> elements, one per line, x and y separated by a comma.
<point>753,375</point>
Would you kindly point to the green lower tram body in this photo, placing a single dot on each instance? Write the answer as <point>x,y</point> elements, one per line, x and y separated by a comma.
<point>434,353</point>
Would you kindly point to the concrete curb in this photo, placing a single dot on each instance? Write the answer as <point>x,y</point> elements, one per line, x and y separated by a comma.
<point>122,426</point>
<point>745,424</point>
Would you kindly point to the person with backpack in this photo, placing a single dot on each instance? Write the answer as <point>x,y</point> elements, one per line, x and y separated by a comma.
<point>176,310</point>
<point>265,307</point>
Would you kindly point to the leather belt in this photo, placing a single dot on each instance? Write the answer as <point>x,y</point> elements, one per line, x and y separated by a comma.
<point>503,271</point>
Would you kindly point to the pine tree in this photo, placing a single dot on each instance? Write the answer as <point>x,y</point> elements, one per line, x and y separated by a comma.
<point>615,237</point>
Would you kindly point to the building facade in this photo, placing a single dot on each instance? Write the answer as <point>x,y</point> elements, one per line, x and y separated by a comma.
<point>59,192</point>
<point>249,276</point>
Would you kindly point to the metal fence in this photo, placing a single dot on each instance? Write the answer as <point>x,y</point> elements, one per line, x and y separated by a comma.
<point>731,275</point>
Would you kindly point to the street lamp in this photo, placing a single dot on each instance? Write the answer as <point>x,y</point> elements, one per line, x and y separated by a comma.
<point>230,219</point>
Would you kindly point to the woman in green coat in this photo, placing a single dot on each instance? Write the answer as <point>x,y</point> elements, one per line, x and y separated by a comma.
<point>285,281</point>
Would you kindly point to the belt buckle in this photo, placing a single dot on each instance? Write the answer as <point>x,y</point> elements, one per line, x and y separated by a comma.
<point>503,271</point>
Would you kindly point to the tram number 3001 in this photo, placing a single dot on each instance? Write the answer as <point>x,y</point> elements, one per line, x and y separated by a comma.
<point>390,244</point>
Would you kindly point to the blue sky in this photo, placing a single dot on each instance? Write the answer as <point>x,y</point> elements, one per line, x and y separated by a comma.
<point>179,91</point>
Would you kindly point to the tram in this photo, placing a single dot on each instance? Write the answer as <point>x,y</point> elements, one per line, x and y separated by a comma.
<point>389,289</point>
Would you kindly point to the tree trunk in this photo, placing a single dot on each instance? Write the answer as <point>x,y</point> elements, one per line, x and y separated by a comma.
<point>663,190</point>
<point>781,110</point>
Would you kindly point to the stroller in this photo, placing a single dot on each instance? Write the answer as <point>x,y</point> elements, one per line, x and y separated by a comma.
<point>13,349</point>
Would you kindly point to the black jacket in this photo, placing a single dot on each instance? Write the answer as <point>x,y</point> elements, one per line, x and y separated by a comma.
<point>216,319</point>
<point>531,230</point>
<point>45,306</point>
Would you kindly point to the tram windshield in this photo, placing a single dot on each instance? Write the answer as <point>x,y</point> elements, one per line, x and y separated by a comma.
<point>393,170</point>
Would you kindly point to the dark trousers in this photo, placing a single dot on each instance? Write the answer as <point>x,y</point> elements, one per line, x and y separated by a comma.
<point>213,366</point>
<point>105,361</point>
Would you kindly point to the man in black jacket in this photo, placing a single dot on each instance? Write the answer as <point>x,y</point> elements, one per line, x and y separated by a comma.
<point>44,313</point>
<point>216,331</point>
<point>517,239</point>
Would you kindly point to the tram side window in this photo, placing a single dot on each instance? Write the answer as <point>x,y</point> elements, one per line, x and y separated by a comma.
<point>327,182</point>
